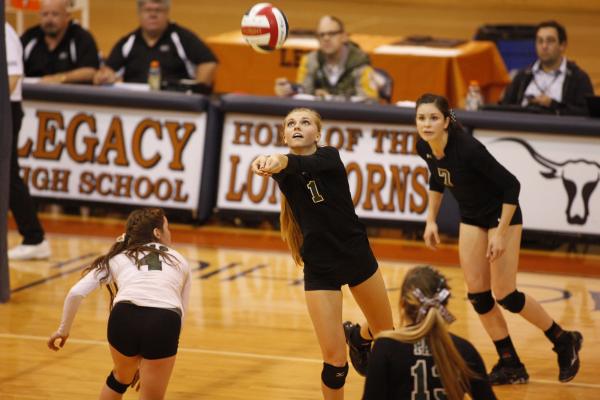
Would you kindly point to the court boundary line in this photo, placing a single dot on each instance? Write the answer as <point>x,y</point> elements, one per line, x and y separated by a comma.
<point>254,356</point>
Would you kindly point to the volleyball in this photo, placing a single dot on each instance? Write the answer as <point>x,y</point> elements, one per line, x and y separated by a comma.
<point>264,27</point>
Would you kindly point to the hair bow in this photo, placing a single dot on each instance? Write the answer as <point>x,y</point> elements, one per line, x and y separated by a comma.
<point>452,116</point>
<point>436,301</point>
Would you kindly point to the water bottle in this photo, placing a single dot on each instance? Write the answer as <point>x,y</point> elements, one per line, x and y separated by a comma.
<point>154,75</point>
<point>474,98</point>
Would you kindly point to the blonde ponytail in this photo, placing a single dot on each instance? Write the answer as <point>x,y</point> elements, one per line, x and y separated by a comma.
<point>290,230</point>
<point>423,301</point>
<point>453,370</point>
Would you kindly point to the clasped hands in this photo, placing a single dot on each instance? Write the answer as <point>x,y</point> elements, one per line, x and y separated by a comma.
<point>269,165</point>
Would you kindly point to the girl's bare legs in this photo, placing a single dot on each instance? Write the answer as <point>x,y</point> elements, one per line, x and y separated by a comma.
<point>373,300</point>
<point>325,310</point>
<point>154,377</point>
<point>504,278</point>
<point>124,370</point>
<point>472,247</point>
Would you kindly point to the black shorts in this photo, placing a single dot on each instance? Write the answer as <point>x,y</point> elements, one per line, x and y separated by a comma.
<point>492,219</point>
<point>332,277</point>
<point>150,332</point>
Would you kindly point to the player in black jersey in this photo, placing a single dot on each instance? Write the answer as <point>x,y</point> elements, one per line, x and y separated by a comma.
<point>489,236</point>
<point>320,225</point>
<point>423,360</point>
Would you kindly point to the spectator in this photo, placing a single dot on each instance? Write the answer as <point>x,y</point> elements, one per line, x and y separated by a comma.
<point>181,54</point>
<point>338,70</point>
<point>59,50</point>
<point>552,84</point>
<point>23,209</point>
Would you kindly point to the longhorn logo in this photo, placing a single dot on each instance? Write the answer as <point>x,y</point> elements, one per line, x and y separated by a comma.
<point>579,177</point>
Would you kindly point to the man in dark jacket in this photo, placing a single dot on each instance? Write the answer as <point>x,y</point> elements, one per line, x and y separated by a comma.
<point>552,84</point>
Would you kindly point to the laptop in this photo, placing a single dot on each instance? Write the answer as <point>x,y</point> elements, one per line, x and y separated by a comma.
<point>593,104</point>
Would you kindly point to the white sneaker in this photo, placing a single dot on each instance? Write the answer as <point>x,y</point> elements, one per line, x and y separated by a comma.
<point>30,251</point>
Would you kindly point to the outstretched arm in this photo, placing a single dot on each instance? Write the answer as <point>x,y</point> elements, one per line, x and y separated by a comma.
<point>81,289</point>
<point>269,165</point>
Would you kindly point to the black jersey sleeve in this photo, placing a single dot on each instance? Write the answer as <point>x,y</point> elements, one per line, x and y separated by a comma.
<point>325,158</point>
<point>481,160</point>
<point>480,386</point>
<point>376,384</point>
<point>423,151</point>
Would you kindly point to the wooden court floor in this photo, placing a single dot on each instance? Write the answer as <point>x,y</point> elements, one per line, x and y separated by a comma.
<point>248,335</point>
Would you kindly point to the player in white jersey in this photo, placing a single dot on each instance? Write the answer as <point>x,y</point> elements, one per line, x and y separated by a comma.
<point>149,286</point>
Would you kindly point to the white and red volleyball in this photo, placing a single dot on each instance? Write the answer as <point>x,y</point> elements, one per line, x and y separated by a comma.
<point>264,27</point>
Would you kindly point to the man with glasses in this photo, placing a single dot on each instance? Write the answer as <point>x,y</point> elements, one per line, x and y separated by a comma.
<point>180,53</point>
<point>59,50</point>
<point>338,70</point>
<point>552,84</point>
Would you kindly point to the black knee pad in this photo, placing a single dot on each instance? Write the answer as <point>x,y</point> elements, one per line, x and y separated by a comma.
<point>115,385</point>
<point>334,377</point>
<point>514,302</point>
<point>482,302</point>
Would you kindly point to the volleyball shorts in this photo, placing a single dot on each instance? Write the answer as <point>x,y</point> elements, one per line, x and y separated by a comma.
<point>150,332</point>
<point>492,219</point>
<point>346,271</point>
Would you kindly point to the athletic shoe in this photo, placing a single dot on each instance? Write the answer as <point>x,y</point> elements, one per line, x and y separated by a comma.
<point>38,251</point>
<point>359,352</point>
<point>568,355</point>
<point>503,374</point>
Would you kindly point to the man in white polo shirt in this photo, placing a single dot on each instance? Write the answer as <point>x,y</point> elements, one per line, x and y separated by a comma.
<point>20,202</point>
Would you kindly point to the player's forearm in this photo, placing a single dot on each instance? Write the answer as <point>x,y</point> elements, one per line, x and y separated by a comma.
<point>508,210</point>
<point>435,201</point>
<point>70,308</point>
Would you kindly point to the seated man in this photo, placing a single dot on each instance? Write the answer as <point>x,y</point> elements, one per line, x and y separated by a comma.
<point>180,53</point>
<point>552,83</point>
<point>59,50</point>
<point>338,70</point>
